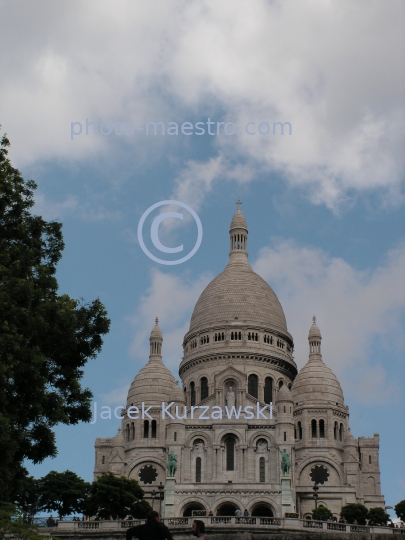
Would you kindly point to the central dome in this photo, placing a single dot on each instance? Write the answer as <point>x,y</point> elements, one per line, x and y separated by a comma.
<point>238,292</point>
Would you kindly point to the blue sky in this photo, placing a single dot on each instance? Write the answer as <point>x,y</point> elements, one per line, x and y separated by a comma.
<point>324,205</point>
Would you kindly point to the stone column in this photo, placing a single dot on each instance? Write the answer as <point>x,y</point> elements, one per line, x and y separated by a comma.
<point>168,502</point>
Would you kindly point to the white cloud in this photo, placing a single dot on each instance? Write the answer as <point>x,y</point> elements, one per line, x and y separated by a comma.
<point>353,309</point>
<point>51,210</point>
<point>332,69</point>
<point>117,396</point>
<point>88,211</point>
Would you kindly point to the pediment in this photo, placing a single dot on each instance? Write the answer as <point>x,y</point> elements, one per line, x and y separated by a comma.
<point>116,458</point>
<point>229,372</point>
<point>350,458</point>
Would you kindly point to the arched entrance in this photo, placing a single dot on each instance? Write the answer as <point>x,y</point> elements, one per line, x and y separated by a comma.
<point>188,509</point>
<point>227,509</point>
<point>263,510</point>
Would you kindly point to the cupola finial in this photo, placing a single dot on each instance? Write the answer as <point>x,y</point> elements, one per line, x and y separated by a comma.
<point>238,237</point>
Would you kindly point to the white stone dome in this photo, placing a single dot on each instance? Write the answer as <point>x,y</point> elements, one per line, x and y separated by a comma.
<point>238,293</point>
<point>153,384</point>
<point>316,382</point>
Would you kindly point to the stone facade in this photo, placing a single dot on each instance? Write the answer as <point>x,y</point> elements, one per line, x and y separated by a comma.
<point>239,353</point>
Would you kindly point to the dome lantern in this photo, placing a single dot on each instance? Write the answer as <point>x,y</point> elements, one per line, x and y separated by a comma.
<point>314,338</point>
<point>238,236</point>
<point>156,340</point>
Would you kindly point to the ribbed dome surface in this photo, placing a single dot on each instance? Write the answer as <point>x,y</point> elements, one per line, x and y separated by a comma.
<point>153,384</point>
<point>238,221</point>
<point>316,382</point>
<point>238,292</point>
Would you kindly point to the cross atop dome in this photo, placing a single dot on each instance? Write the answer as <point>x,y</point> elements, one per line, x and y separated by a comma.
<point>238,202</point>
<point>156,321</point>
<point>313,319</point>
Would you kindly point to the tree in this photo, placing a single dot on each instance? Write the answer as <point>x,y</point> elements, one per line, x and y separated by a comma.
<point>45,338</point>
<point>116,497</point>
<point>400,510</point>
<point>321,513</point>
<point>11,523</point>
<point>64,493</point>
<point>28,499</point>
<point>354,512</point>
<point>378,516</point>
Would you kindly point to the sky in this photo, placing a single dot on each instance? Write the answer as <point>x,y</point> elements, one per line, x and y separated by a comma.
<point>296,108</point>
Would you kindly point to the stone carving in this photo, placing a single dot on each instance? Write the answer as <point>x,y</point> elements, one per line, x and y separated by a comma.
<point>262,446</point>
<point>230,398</point>
<point>198,445</point>
<point>285,462</point>
<point>171,464</point>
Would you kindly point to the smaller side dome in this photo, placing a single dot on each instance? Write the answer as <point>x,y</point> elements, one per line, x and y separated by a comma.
<point>154,383</point>
<point>316,382</point>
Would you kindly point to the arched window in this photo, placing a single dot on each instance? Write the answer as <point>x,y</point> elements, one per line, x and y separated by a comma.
<point>369,460</point>
<point>146,429</point>
<point>230,454</point>
<point>285,435</point>
<point>322,429</point>
<point>280,384</point>
<point>154,426</point>
<point>253,386</point>
<point>103,460</point>
<point>299,430</point>
<point>204,388</point>
<point>175,436</point>
<point>313,429</point>
<point>192,394</point>
<point>132,431</point>
<point>341,432</point>
<point>335,431</point>
<point>262,469</point>
<point>127,433</point>
<point>198,469</point>
<point>268,390</point>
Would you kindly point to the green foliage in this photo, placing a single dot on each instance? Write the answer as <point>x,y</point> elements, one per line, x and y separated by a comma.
<point>45,338</point>
<point>321,513</point>
<point>28,498</point>
<point>400,510</point>
<point>378,516</point>
<point>355,512</point>
<point>64,493</point>
<point>12,523</point>
<point>116,497</point>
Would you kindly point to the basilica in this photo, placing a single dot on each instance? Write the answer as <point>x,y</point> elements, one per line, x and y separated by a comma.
<point>245,430</point>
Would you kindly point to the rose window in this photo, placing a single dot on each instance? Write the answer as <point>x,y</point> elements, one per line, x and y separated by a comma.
<point>148,474</point>
<point>319,474</point>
